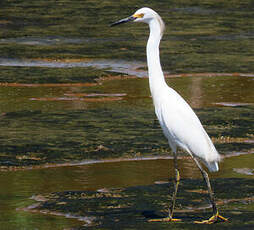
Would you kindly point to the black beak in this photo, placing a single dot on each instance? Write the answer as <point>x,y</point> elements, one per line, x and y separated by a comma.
<point>129,19</point>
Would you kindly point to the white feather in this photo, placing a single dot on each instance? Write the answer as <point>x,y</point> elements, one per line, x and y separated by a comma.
<point>180,124</point>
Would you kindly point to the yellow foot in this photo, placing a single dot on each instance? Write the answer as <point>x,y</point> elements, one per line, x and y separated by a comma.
<point>215,218</point>
<point>166,219</point>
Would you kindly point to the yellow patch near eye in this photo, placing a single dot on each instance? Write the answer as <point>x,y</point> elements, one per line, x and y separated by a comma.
<point>138,15</point>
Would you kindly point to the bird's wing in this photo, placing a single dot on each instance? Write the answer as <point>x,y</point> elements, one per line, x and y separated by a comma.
<point>183,125</point>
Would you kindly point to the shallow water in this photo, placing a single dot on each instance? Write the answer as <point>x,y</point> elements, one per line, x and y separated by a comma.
<point>73,92</point>
<point>52,124</point>
<point>21,185</point>
<point>123,67</point>
<point>64,131</point>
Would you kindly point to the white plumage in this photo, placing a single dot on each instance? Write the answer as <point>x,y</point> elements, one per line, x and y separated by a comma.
<point>180,124</point>
<point>178,121</point>
<point>183,129</point>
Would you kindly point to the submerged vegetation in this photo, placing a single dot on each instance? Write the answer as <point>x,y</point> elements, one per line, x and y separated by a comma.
<point>134,206</point>
<point>200,36</point>
<point>73,91</point>
<point>113,119</point>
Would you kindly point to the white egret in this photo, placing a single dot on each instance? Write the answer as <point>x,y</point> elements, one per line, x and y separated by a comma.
<point>179,123</point>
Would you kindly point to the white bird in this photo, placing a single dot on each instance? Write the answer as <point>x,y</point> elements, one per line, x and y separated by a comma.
<point>178,121</point>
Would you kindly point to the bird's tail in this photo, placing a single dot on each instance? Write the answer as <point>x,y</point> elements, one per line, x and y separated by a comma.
<point>212,166</point>
<point>212,157</point>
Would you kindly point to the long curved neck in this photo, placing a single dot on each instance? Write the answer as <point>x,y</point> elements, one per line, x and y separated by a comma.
<point>156,77</point>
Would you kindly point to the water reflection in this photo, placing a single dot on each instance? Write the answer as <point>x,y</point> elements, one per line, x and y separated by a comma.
<point>198,91</point>
<point>207,91</point>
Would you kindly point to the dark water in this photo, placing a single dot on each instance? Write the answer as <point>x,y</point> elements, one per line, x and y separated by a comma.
<point>54,110</point>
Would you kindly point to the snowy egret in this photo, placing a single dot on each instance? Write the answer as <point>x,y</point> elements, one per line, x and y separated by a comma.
<point>178,121</point>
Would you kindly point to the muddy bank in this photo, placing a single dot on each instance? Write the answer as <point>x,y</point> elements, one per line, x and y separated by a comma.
<point>132,207</point>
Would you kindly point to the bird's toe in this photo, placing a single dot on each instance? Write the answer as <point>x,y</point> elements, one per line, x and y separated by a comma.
<point>166,219</point>
<point>214,219</point>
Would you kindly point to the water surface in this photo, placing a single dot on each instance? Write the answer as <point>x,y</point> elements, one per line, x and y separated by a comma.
<point>73,91</point>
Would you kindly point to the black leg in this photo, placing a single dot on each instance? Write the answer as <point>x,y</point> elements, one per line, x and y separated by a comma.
<point>176,183</point>
<point>216,215</point>
<point>172,206</point>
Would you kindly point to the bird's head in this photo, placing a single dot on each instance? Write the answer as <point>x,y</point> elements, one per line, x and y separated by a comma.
<point>142,15</point>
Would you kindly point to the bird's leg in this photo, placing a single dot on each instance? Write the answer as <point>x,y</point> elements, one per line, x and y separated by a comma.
<point>216,216</point>
<point>176,183</point>
<point>172,206</point>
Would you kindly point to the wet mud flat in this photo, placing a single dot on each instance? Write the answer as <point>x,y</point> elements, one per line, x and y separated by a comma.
<point>132,207</point>
<point>51,120</point>
<point>200,36</point>
<point>55,125</point>
<point>77,124</point>
<point>72,92</point>
<point>50,117</point>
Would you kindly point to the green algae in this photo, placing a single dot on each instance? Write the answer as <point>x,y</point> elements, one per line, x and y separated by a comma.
<point>201,36</point>
<point>53,125</point>
<point>93,134</point>
<point>45,75</point>
<point>132,207</point>
<point>49,124</point>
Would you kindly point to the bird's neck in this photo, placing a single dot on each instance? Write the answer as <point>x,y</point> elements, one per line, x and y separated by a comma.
<point>156,77</point>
